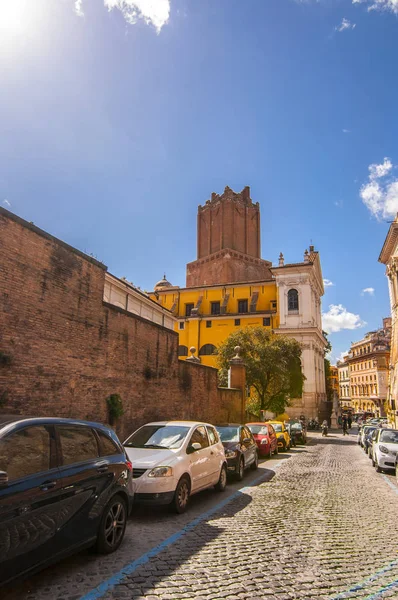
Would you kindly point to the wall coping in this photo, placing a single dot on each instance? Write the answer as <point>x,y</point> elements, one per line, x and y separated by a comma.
<point>123,311</point>
<point>13,217</point>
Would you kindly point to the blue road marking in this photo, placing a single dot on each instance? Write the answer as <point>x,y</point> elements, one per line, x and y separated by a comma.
<point>360,586</point>
<point>128,569</point>
<point>380,593</point>
<point>390,483</point>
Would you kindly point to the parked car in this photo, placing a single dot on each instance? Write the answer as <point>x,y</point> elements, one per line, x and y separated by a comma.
<point>175,459</point>
<point>265,438</point>
<point>299,430</point>
<point>364,431</point>
<point>368,438</point>
<point>384,449</point>
<point>240,448</point>
<point>64,485</point>
<point>282,435</point>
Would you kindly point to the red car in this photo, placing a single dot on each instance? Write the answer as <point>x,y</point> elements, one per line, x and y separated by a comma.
<point>265,437</point>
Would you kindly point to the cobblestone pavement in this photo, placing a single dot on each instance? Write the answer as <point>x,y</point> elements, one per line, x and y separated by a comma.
<point>326,526</point>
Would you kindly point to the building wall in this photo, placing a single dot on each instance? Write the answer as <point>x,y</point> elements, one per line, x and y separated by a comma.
<point>69,350</point>
<point>206,328</point>
<point>344,384</point>
<point>368,361</point>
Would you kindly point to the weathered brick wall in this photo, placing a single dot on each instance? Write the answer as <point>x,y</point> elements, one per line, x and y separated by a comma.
<point>69,350</point>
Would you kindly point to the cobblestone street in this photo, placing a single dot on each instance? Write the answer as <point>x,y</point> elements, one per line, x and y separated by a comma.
<point>324,527</point>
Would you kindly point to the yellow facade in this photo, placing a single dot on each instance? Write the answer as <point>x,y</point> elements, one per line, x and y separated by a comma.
<point>207,315</point>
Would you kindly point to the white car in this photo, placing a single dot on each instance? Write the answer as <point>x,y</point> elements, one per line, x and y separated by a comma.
<point>173,460</point>
<point>384,449</point>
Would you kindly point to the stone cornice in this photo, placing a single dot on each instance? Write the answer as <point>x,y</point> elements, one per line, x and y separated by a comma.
<point>389,243</point>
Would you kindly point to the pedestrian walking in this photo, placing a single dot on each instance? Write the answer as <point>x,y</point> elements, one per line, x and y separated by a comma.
<point>339,420</point>
<point>349,422</point>
<point>345,423</point>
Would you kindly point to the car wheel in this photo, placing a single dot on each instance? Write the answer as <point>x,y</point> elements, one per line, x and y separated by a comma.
<point>222,481</point>
<point>254,465</point>
<point>181,495</point>
<point>373,462</point>
<point>378,469</point>
<point>112,526</point>
<point>241,470</point>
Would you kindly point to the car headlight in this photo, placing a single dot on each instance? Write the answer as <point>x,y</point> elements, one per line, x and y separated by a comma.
<point>384,449</point>
<point>161,472</point>
<point>264,441</point>
<point>230,453</point>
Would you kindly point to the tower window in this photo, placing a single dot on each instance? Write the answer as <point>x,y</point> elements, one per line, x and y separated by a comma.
<point>237,322</point>
<point>181,325</point>
<point>208,324</point>
<point>292,300</point>
<point>215,308</point>
<point>182,350</point>
<point>188,309</point>
<point>267,321</point>
<point>243,306</point>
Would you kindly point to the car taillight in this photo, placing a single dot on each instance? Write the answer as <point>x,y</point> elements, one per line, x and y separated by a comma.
<point>129,465</point>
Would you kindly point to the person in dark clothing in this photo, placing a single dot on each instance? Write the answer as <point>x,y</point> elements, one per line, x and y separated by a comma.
<point>345,425</point>
<point>349,421</point>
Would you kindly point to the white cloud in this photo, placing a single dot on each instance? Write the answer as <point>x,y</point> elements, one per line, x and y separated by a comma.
<point>6,203</point>
<point>344,25</point>
<point>153,12</point>
<point>388,5</point>
<point>341,356</point>
<point>369,290</point>
<point>327,283</point>
<point>381,197</point>
<point>79,8</point>
<point>346,130</point>
<point>338,318</point>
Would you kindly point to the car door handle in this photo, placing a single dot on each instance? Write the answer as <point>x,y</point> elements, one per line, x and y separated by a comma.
<point>102,469</point>
<point>48,485</point>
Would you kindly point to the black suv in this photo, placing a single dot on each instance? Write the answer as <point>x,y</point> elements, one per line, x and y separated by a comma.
<point>64,485</point>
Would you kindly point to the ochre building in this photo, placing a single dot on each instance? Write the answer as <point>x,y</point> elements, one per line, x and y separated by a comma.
<point>230,286</point>
<point>368,362</point>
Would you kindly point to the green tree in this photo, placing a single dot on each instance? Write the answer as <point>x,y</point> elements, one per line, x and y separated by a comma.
<point>273,365</point>
<point>328,381</point>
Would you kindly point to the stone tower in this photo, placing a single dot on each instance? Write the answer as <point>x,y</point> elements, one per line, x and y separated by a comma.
<point>229,248</point>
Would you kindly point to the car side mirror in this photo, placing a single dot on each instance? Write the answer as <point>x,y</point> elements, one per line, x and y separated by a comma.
<point>3,478</point>
<point>194,447</point>
<point>246,441</point>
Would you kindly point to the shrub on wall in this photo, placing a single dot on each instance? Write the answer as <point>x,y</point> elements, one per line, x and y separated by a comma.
<point>5,359</point>
<point>115,407</point>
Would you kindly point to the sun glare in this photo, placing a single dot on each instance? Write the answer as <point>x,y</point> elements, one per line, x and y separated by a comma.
<point>14,16</point>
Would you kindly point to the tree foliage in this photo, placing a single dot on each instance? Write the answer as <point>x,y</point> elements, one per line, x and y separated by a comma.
<point>273,365</point>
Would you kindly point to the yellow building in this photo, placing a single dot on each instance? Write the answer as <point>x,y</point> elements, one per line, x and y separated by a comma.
<point>208,314</point>
<point>334,379</point>
<point>230,286</point>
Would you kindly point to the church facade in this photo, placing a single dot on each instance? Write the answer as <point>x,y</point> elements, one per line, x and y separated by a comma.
<point>230,286</point>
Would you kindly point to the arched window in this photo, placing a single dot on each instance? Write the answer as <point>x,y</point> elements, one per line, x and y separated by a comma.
<point>182,350</point>
<point>292,300</point>
<point>207,350</point>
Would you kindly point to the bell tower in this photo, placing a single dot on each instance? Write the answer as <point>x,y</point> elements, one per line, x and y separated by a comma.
<point>228,242</point>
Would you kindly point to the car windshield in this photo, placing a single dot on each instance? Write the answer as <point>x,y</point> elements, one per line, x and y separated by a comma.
<point>158,436</point>
<point>370,430</point>
<point>229,434</point>
<point>277,427</point>
<point>296,426</point>
<point>258,429</point>
<point>389,437</point>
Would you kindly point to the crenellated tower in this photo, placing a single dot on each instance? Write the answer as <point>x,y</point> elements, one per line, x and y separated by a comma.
<point>229,244</point>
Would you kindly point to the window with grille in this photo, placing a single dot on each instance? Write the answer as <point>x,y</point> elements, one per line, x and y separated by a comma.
<point>292,300</point>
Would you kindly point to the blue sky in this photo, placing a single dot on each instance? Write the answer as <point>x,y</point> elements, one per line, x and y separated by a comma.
<point>117,118</point>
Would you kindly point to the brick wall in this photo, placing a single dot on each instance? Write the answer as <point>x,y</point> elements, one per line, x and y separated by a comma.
<point>69,350</point>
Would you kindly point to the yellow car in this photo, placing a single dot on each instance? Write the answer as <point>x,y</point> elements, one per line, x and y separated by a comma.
<point>282,435</point>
